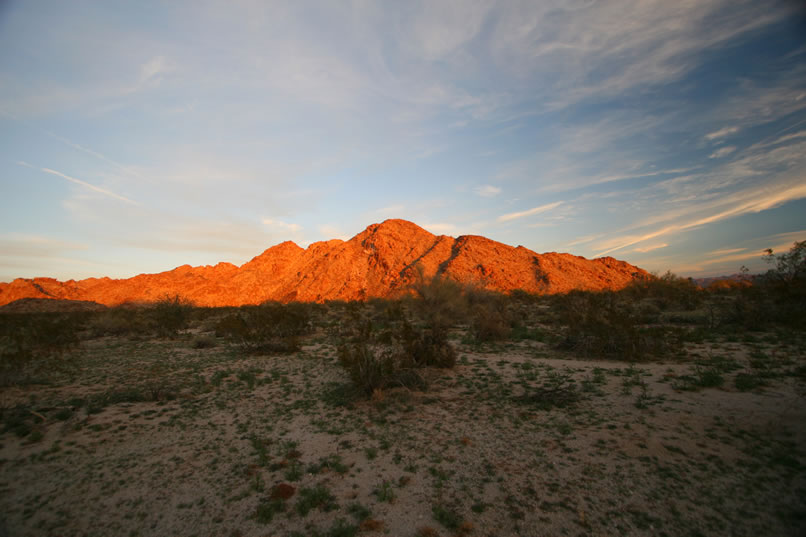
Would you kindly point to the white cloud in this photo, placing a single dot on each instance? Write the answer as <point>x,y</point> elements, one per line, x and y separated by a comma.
<point>650,248</point>
<point>439,228</point>
<point>279,224</point>
<point>722,152</point>
<point>487,191</point>
<point>721,133</point>
<point>529,212</point>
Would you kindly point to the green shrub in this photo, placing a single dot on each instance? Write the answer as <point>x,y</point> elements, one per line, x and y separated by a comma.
<point>446,516</point>
<point>746,382</point>
<point>318,497</point>
<point>372,369</point>
<point>558,389</point>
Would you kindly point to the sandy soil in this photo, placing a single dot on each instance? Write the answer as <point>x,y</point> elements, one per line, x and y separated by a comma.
<point>156,438</point>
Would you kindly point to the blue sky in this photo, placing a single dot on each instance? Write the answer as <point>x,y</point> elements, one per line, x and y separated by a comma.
<point>139,136</point>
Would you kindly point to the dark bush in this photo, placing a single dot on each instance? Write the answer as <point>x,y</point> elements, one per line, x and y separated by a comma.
<point>271,327</point>
<point>121,321</point>
<point>426,346</point>
<point>667,292</point>
<point>374,368</point>
<point>171,314</point>
<point>607,323</point>
<point>29,342</point>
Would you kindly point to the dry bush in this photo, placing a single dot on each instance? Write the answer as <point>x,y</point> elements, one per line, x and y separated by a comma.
<point>121,321</point>
<point>666,292</point>
<point>271,327</point>
<point>171,314</point>
<point>608,323</point>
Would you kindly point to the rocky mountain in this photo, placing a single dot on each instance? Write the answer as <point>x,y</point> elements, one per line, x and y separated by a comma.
<point>381,261</point>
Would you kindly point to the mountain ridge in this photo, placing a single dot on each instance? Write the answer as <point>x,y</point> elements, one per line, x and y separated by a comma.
<point>381,261</point>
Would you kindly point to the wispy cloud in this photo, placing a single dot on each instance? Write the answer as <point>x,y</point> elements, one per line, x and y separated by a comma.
<point>721,133</point>
<point>95,154</point>
<point>279,224</point>
<point>650,248</point>
<point>722,152</point>
<point>487,191</point>
<point>535,210</point>
<point>759,202</point>
<point>80,182</point>
<point>726,251</point>
<point>29,245</point>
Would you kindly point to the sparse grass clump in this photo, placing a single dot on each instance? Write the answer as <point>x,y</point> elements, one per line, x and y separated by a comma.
<point>318,497</point>
<point>557,390</point>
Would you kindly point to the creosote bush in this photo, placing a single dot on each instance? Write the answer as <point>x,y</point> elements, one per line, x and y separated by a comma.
<point>271,327</point>
<point>608,323</point>
<point>171,314</point>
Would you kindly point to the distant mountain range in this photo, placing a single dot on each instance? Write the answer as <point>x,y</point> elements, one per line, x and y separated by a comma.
<point>705,282</point>
<point>381,261</point>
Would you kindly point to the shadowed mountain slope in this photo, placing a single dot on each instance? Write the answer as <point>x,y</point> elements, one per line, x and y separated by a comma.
<point>381,261</point>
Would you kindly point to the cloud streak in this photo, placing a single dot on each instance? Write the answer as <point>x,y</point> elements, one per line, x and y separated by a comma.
<point>84,184</point>
<point>721,133</point>
<point>754,205</point>
<point>722,152</point>
<point>530,212</point>
<point>487,191</point>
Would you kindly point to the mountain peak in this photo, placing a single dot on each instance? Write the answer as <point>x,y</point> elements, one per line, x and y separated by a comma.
<point>381,261</point>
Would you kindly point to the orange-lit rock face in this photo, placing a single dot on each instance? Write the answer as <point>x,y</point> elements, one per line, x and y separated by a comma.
<point>381,261</point>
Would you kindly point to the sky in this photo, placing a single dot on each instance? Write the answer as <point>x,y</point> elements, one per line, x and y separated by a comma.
<point>139,136</point>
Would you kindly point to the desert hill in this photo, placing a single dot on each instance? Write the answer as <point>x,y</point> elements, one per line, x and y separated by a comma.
<point>381,261</point>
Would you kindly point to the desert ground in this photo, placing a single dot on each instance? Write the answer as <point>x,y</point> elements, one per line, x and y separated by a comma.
<point>188,434</point>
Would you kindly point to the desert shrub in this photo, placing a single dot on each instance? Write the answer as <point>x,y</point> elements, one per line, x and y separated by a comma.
<point>171,314</point>
<point>374,368</point>
<point>604,323</point>
<point>666,292</point>
<point>268,328</point>
<point>121,321</point>
<point>523,297</point>
<point>490,317</point>
<point>439,301</point>
<point>785,285</point>
<point>386,351</point>
<point>775,298</point>
<point>489,324</point>
<point>426,346</point>
<point>203,341</point>
<point>31,342</point>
